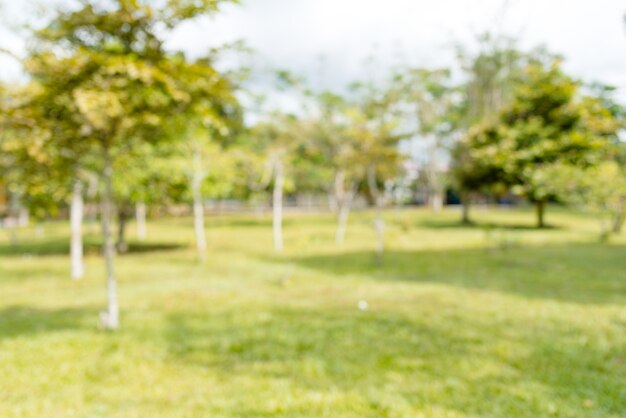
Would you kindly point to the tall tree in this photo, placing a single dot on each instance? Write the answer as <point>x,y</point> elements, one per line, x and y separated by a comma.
<point>375,127</point>
<point>430,99</point>
<point>490,73</point>
<point>330,144</point>
<point>277,139</point>
<point>548,122</point>
<point>104,72</point>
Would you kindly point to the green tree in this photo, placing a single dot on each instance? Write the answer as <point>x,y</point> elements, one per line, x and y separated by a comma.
<point>277,139</point>
<point>374,126</point>
<point>430,99</point>
<point>600,189</point>
<point>547,122</point>
<point>490,75</point>
<point>335,151</point>
<point>106,77</point>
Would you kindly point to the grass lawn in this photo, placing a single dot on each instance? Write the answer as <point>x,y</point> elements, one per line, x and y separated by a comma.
<point>495,320</point>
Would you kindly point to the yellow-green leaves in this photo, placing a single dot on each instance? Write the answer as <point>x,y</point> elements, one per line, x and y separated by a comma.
<point>99,108</point>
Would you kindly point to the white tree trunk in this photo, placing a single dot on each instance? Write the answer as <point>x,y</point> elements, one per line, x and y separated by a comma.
<point>342,224</point>
<point>140,215</point>
<point>277,206</point>
<point>436,201</point>
<point>343,201</point>
<point>198,208</point>
<point>23,218</point>
<point>332,202</point>
<point>76,233</point>
<point>110,317</point>
<point>12,222</point>
<point>11,225</point>
<point>379,225</point>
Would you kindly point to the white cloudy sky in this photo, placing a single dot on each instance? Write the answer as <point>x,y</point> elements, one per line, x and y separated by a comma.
<point>293,34</point>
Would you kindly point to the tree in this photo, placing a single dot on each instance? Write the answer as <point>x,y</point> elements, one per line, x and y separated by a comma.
<point>335,151</point>
<point>375,128</point>
<point>37,177</point>
<point>490,74</point>
<point>211,116</point>
<point>548,122</point>
<point>104,73</point>
<point>277,139</point>
<point>600,189</point>
<point>430,99</point>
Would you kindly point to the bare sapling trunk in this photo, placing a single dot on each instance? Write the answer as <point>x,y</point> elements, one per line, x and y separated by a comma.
<point>23,217</point>
<point>76,233</point>
<point>12,222</point>
<point>332,201</point>
<point>342,224</point>
<point>434,176</point>
<point>541,210</point>
<point>379,225</point>
<point>277,205</point>
<point>11,225</point>
<point>436,201</point>
<point>122,221</point>
<point>466,202</point>
<point>343,199</point>
<point>618,218</point>
<point>110,317</point>
<point>92,208</point>
<point>140,216</point>
<point>198,207</point>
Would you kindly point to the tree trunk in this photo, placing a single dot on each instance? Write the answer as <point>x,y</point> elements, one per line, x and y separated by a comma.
<point>12,222</point>
<point>23,217</point>
<point>122,217</point>
<point>110,317</point>
<point>379,225</point>
<point>92,208</point>
<point>465,208</point>
<point>277,206</point>
<point>343,201</point>
<point>618,219</point>
<point>13,235</point>
<point>198,209</point>
<point>332,202</point>
<point>140,215</point>
<point>342,224</point>
<point>436,201</point>
<point>76,235</point>
<point>541,208</point>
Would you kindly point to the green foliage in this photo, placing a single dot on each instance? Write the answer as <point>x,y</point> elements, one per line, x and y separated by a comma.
<point>600,189</point>
<point>548,122</point>
<point>491,74</point>
<point>103,85</point>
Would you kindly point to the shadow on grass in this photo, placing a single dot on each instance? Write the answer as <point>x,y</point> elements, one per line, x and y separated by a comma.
<point>21,320</point>
<point>450,361</point>
<point>580,273</point>
<point>314,219</point>
<point>62,247</point>
<point>315,351</point>
<point>455,224</point>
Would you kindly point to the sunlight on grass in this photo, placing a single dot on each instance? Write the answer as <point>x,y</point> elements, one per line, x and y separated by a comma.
<point>491,320</point>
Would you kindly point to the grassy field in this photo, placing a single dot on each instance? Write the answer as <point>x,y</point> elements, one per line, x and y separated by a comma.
<point>494,320</point>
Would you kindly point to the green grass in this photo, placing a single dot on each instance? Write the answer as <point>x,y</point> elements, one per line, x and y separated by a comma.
<point>494,320</point>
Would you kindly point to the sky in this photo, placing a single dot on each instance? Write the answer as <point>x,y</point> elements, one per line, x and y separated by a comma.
<point>294,34</point>
<point>327,41</point>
